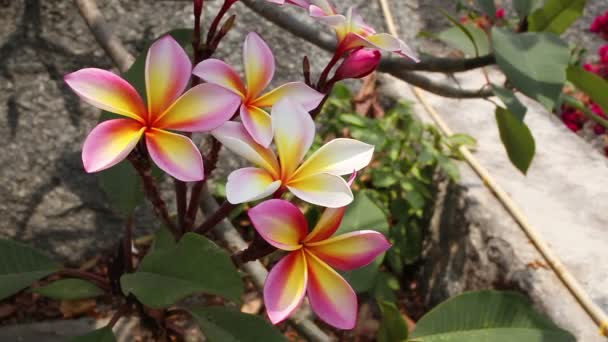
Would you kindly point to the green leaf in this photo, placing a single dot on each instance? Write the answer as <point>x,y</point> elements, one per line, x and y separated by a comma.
<point>163,239</point>
<point>517,139</point>
<point>591,84</point>
<point>392,326</point>
<point>468,38</point>
<point>535,63</point>
<point>221,324</point>
<point>461,139</point>
<point>104,334</point>
<point>556,15</point>
<point>510,100</point>
<point>69,289</point>
<point>487,316</point>
<point>20,266</point>
<point>525,7</point>
<point>488,7</point>
<point>364,214</point>
<point>385,287</point>
<point>194,265</point>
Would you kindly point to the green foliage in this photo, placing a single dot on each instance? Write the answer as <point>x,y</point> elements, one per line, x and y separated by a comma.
<point>516,137</point>
<point>104,334</point>
<point>20,266</point>
<point>556,15</point>
<point>69,289</point>
<point>525,7</point>
<point>192,266</point>
<point>534,63</point>
<point>487,316</point>
<point>220,324</point>
<point>591,84</point>
<point>392,326</point>
<point>511,101</point>
<point>476,41</point>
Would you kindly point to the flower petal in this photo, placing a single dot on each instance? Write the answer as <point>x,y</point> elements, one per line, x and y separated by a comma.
<point>220,73</point>
<point>322,189</point>
<point>258,123</point>
<point>168,71</point>
<point>250,184</point>
<point>259,64</point>
<point>280,223</point>
<point>327,225</point>
<point>297,92</point>
<point>330,296</point>
<point>294,132</point>
<point>389,43</point>
<point>350,251</point>
<point>109,143</point>
<point>175,154</point>
<point>285,286</point>
<point>200,109</point>
<point>337,157</point>
<point>107,91</point>
<point>234,136</point>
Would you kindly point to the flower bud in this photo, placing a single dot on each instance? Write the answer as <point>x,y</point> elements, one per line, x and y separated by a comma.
<point>358,64</point>
<point>500,13</point>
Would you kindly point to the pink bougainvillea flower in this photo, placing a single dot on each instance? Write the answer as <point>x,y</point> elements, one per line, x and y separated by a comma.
<point>259,70</point>
<point>308,268</point>
<point>353,32</point>
<point>500,13</point>
<point>317,180</point>
<point>167,74</point>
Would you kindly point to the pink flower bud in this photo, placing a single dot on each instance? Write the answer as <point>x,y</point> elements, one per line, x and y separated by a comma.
<point>198,8</point>
<point>358,64</point>
<point>500,13</point>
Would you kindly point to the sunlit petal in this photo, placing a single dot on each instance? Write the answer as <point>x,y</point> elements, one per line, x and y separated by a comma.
<point>389,43</point>
<point>235,138</point>
<point>259,64</point>
<point>109,143</point>
<point>338,157</point>
<point>330,296</point>
<point>351,250</point>
<point>285,286</point>
<point>107,91</point>
<point>200,109</point>
<point>297,92</point>
<point>218,72</point>
<point>322,189</point>
<point>327,225</point>
<point>280,223</point>
<point>294,132</point>
<point>168,71</point>
<point>258,123</point>
<point>175,154</point>
<point>250,184</point>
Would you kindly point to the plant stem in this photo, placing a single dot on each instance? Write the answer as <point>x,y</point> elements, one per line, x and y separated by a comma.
<point>222,212</point>
<point>215,23</point>
<point>128,244</point>
<point>76,273</point>
<point>257,249</point>
<point>117,315</point>
<point>323,78</point>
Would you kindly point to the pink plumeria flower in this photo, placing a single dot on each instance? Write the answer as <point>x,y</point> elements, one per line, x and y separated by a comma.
<point>259,70</point>
<point>307,269</point>
<point>353,32</point>
<point>299,3</point>
<point>358,64</point>
<point>317,180</point>
<point>168,71</point>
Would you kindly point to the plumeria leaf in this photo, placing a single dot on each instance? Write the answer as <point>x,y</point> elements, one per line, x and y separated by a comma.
<point>458,38</point>
<point>69,289</point>
<point>476,39</point>
<point>488,7</point>
<point>392,326</point>
<point>517,139</point>
<point>20,266</point>
<point>510,100</point>
<point>591,84</point>
<point>556,15</point>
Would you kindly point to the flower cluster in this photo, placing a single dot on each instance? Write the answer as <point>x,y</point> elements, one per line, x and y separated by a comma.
<point>600,25</point>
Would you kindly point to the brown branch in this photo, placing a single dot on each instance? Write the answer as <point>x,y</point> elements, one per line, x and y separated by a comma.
<point>221,213</point>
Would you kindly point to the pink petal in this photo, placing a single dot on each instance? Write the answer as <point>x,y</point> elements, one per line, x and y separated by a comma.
<point>297,92</point>
<point>285,286</point>
<point>280,223</point>
<point>217,72</point>
<point>168,70</point>
<point>201,109</point>
<point>327,225</point>
<point>175,154</point>
<point>235,138</point>
<point>382,41</point>
<point>337,157</point>
<point>259,64</point>
<point>350,251</point>
<point>258,123</point>
<point>294,132</point>
<point>322,189</point>
<point>250,184</point>
<point>107,91</point>
<point>109,143</point>
<point>330,296</point>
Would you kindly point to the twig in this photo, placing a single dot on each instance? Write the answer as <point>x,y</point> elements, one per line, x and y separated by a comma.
<point>221,213</point>
<point>258,248</point>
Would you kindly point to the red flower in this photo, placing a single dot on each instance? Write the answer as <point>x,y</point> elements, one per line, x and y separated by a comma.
<point>500,13</point>
<point>599,129</point>
<point>595,108</point>
<point>600,25</point>
<point>603,53</point>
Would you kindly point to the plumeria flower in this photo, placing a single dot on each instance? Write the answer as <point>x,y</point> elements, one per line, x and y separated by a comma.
<point>167,73</point>
<point>353,32</point>
<point>307,269</point>
<point>259,70</point>
<point>300,3</point>
<point>317,180</point>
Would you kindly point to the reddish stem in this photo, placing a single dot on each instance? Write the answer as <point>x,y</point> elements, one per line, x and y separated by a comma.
<point>222,212</point>
<point>216,22</point>
<point>324,75</point>
<point>258,248</point>
<point>75,273</point>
